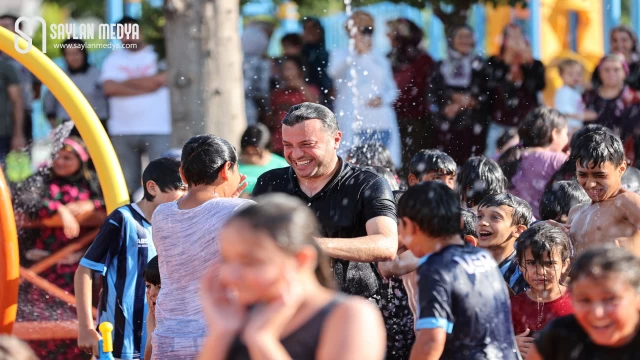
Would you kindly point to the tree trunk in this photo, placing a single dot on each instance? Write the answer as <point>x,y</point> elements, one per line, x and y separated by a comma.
<point>205,69</point>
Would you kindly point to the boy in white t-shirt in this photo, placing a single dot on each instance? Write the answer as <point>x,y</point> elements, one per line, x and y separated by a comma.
<point>568,98</point>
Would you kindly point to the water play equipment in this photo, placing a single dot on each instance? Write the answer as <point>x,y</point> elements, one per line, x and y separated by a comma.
<point>106,163</point>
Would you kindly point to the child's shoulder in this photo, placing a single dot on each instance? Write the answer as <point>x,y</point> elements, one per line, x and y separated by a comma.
<point>627,200</point>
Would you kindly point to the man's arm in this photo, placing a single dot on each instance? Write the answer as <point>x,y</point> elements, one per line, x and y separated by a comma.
<point>134,87</point>
<point>380,244</point>
<point>17,108</point>
<point>429,344</point>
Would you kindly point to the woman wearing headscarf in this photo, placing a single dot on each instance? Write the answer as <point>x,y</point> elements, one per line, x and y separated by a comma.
<point>412,67</point>
<point>458,98</point>
<point>86,78</point>
<point>365,91</point>
<point>514,79</point>
<point>315,53</point>
<point>624,41</point>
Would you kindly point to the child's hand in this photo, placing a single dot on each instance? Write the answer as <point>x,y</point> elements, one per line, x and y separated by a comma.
<point>88,341</point>
<point>270,319</point>
<point>525,343</point>
<point>223,314</point>
<point>80,207</point>
<point>70,225</point>
<point>243,185</point>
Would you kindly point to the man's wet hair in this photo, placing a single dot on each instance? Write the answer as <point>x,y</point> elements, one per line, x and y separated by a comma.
<point>310,111</point>
<point>433,206</point>
<point>152,272</point>
<point>521,214</point>
<point>426,161</point>
<point>203,157</point>
<point>559,198</point>
<point>165,172</point>
<point>479,177</point>
<point>371,154</point>
<point>604,261</point>
<point>469,221</point>
<point>542,238</point>
<point>597,148</point>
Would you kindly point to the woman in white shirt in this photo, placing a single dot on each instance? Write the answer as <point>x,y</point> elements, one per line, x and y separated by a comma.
<point>185,235</point>
<point>365,91</point>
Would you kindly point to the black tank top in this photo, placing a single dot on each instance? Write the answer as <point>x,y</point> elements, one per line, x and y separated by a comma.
<point>302,343</point>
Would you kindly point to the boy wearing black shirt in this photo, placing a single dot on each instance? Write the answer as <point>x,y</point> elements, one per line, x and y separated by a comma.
<point>463,301</point>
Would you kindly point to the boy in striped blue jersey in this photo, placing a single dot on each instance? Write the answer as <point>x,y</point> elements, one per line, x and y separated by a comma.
<point>501,220</point>
<point>120,254</point>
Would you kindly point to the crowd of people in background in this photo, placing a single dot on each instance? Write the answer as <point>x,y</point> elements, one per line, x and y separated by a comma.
<point>379,207</point>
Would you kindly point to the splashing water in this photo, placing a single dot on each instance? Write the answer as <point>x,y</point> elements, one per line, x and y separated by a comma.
<point>353,80</point>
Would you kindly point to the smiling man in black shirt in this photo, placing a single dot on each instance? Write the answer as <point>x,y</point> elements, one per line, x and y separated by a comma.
<point>355,207</point>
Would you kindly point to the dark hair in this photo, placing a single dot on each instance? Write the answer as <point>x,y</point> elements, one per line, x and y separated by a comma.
<point>426,161</point>
<point>601,261</point>
<point>565,64</point>
<point>478,178</point>
<point>11,17</point>
<point>371,154</point>
<point>469,221</point>
<point>128,20</point>
<point>568,170</point>
<point>165,172</point>
<point>203,157</point>
<point>542,238</point>
<point>257,135</point>
<point>316,22</point>
<point>598,148</point>
<point>291,39</point>
<point>536,128</point>
<point>309,111</point>
<point>506,136</point>
<point>82,46</point>
<point>535,131</point>
<point>433,206</point>
<point>387,175</point>
<point>290,223</point>
<point>152,272</point>
<point>521,215</point>
<point>558,199</point>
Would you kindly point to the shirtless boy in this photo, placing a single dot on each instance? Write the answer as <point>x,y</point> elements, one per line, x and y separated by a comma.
<point>613,216</point>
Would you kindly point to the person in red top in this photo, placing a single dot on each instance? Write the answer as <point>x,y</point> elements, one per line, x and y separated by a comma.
<point>542,252</point>
<point>295,90</point>
<point>412,68</point>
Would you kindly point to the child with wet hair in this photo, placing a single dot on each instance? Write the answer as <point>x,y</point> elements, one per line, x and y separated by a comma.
<point>605,324</point>
<point>479,177</point>
<point>542,253</point>
<point>432,165</point>
<point>613,215</point>
<point>529,167</point>
<point>558,200</point>
<point>502,219</point>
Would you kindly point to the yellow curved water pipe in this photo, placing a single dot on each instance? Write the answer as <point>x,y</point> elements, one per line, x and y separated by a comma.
<point>104,157</point>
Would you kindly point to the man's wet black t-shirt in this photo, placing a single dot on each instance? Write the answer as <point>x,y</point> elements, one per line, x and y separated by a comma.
<point>564,339</point>
<point>351,198</point>
<point>461,291</point>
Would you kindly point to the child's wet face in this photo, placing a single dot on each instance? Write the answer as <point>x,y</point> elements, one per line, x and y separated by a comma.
<point>152,291</point>
<point>600,182</point>
<point>253,267</point>
<point>449,180</point>
<point>66,163</point>
<point>607,308</point>
<point>544,275</point>
<point>494,226</point>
